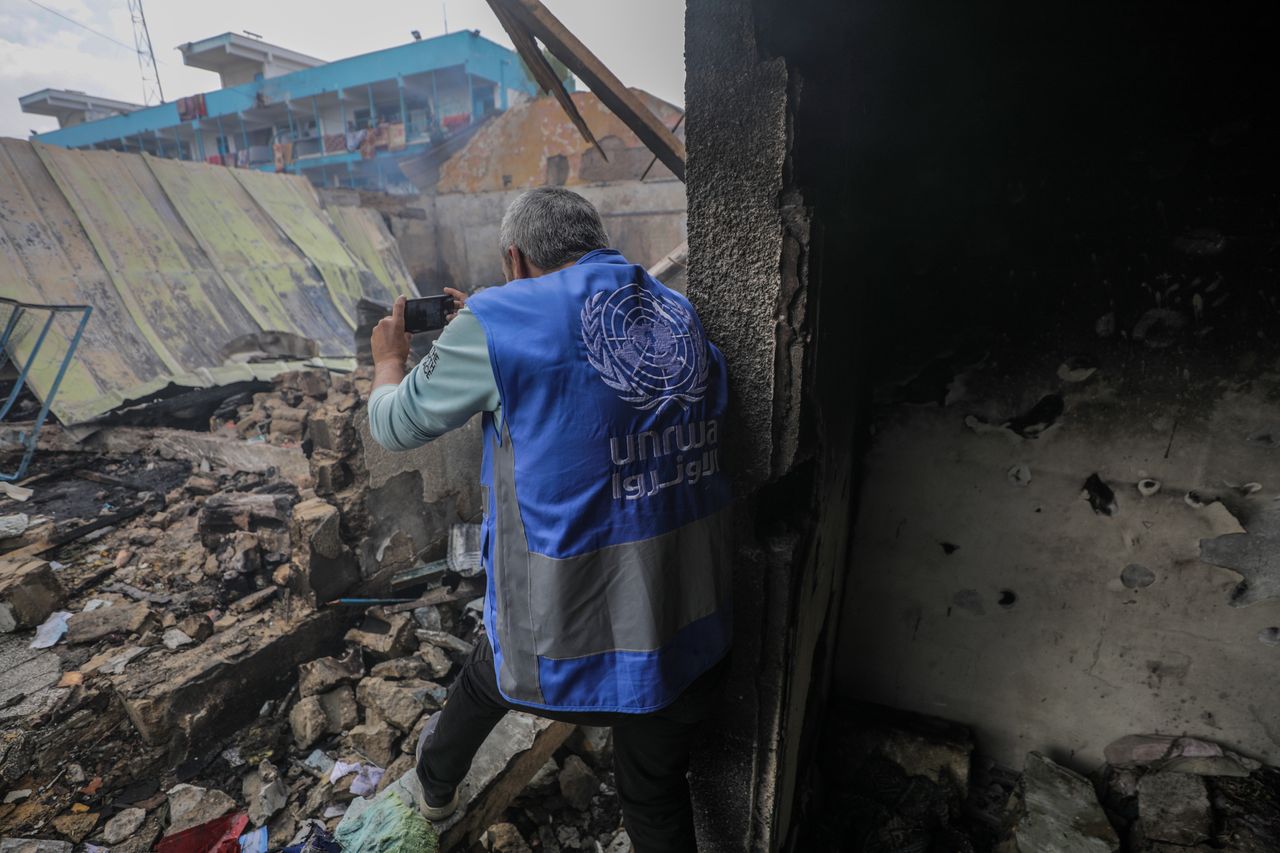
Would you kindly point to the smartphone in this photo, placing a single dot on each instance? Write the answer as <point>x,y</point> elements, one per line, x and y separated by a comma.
<point>427,313</point>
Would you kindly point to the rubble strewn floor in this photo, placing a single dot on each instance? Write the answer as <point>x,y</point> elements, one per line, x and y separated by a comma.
<point>199,678</point>
<point>893,782</point>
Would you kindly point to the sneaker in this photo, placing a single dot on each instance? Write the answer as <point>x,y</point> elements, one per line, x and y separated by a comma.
<point>435,814</point>
<point>430,812</point>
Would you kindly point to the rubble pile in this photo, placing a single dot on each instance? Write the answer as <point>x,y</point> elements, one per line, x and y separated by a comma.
<point>893,782</point>
<point>181,666</point>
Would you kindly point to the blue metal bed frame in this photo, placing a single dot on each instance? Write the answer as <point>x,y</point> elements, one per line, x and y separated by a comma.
<point>17,310</point>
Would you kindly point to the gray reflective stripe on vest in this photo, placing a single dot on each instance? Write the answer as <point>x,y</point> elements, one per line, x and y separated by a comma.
<point>630,597</point>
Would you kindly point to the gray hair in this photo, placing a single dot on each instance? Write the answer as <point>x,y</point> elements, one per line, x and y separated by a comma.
<point>552,226</point>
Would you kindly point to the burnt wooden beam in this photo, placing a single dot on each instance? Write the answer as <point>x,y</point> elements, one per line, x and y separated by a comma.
<point>537,21</point>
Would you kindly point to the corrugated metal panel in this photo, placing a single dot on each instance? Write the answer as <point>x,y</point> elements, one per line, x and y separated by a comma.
<point>272,280</point>
<point>46,257</point>
<point>366,235</point>
<point>177,260</point>
<point>293,205</point>
<point>166,281</point>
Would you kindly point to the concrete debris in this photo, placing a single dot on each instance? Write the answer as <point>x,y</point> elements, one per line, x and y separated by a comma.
<point>340,711</point>
<point>14,525</point>
<point>190,805</point>
<point>443,639</point>
<point>384,637</point>
<point>124,619</point>
<point>33,845</point>
<point>123,825</point>
<point>15,492</point>
<point>1178,754</point>
<point>308,721</point>
<point>266,793</point>
<point>225,513</point>
<point>504,838</point>
<point>1174,807</point>
<point>324,674</point>
<point>213,686</point>
<point>621,843</point>
<point>174,639</point>
<point>594,743</point>
<point>197,626</point>
<point>323,566</point>
<point>375,740</point>
<point>76,826</point>
<point>1055,810</point>
<point>399,703</point>
<point>577,783</point>
<point>399,668</point>
<point>29,593</point>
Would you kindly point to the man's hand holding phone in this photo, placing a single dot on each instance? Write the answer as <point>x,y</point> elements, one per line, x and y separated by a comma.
<point>459,299</point>
<point>430,313</point>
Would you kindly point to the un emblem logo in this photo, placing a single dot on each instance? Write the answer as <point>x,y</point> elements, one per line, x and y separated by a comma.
<point>646,347</point>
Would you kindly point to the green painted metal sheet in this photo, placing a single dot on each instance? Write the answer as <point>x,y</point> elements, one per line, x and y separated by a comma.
<point>46,257</point>
<point>177,260</point>
<point>272,280</point>
<point>292,204</point>
<point>366,235</point>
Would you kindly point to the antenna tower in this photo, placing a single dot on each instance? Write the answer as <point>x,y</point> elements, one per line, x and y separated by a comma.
<point>151,92</point>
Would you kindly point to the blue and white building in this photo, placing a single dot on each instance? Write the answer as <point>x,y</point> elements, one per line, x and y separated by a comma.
<point>354,122</point>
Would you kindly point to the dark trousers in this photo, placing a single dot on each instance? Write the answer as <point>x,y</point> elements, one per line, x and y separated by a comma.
<point>650,751</point>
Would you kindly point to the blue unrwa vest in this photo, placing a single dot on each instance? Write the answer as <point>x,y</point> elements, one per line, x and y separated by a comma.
<point>606,531</point>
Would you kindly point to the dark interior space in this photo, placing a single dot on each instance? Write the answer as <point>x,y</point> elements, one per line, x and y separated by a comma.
<point>1008,170</point>
<point>1003,199</point>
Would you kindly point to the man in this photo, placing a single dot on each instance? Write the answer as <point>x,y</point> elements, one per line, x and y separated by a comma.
<point>605,509</point>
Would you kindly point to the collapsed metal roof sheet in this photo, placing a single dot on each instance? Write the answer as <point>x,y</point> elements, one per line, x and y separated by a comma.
<point>178,260</point>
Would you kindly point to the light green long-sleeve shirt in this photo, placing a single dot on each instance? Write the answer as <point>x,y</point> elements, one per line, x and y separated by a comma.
<point>450,385</point>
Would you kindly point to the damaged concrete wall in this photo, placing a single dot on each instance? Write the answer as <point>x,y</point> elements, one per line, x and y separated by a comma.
<point>982,563</point>
<point>1066,286</point>
<point>451,240</point>
<point>414,496</point>
<point>758,270</point>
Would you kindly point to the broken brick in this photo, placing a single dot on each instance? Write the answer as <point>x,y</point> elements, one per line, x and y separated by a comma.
<point>29,592</point>
<point>91,625</point>
<point>324,674</point>
<point>326,567</point>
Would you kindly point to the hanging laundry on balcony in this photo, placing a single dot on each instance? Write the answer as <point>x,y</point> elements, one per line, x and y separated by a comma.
<point>355,138</point>
<point>192,107</point>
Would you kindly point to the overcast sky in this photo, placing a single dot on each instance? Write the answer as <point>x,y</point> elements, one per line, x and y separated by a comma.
<point>642,41</point>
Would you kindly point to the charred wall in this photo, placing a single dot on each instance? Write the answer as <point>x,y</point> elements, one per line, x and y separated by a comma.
<point>1065,229</point>
<point>765,255</point>
<point>960,244</point>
